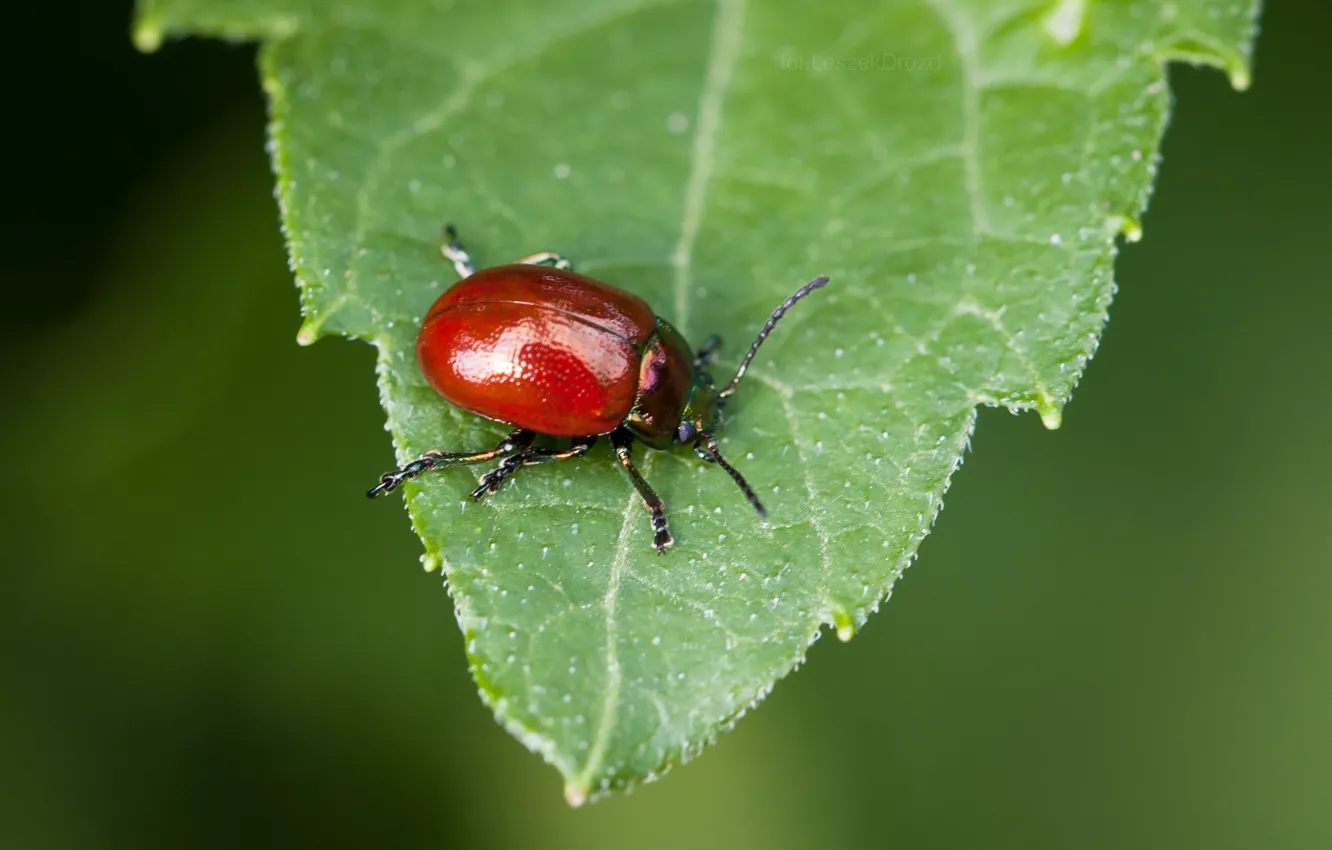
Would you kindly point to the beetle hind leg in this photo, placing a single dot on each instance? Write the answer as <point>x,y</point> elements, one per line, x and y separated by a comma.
<point>623,441</point>
<point>389,481</point>
<point>495,478</point>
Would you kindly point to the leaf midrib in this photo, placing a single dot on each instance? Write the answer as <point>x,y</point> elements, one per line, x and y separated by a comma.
<point>722,56</point>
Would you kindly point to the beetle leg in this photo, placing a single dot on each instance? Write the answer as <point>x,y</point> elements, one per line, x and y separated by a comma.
<point>708,351</point>
<point>491,481</point>
<point>389,481</point>
<point>455,253</point>
<point>623,442</point>
<point>547,258</point>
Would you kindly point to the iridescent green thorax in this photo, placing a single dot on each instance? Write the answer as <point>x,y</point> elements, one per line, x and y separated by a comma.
<point>702,411</point>
<point>670,389</point>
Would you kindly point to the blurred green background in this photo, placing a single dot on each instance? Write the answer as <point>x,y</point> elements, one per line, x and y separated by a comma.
<point>1118,635</point>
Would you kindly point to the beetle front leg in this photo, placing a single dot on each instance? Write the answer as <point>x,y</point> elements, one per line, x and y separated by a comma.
<point>707,352</point>
<point>389,481</point>
<point>547,258</point>
<point>491,481</point>
<point>623,441</point>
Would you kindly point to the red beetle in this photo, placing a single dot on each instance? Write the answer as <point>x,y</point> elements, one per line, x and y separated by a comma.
<point>551,352</point>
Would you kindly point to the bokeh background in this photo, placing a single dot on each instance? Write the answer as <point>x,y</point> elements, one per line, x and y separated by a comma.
<point>1118,635</point>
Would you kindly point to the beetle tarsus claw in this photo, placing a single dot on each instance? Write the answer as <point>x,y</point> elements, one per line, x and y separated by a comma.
<point>386,484</point>
<point>494,479</point>
<point>389,481</point>
<point>485,488</point>
<point>662,540</point>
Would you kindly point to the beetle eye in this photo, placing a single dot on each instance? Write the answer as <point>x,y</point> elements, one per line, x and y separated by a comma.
<point>687,433</point>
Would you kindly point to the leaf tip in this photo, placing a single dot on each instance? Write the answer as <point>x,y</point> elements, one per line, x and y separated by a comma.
<point>1129,226</point>
<point>1051,416</point>
<point>313,326</point>
<point>1065,21</point>
<point>575,795</point>
<point>147,34</point>
<point>846,626</point>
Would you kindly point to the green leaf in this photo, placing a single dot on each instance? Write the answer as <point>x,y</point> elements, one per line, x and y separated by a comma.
<point>960,168</point>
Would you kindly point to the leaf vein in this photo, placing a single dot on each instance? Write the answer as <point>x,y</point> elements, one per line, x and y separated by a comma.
<point>721,63</point>
<point>964,38</point>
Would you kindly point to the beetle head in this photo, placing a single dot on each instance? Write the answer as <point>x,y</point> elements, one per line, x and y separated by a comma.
<point>701,412</point>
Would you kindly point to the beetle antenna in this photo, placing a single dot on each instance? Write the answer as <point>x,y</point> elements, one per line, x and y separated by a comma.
<point>753,349</point>
<point>716,457</point>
